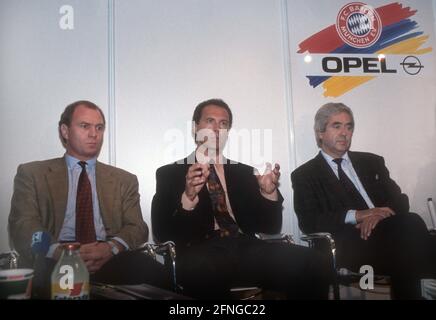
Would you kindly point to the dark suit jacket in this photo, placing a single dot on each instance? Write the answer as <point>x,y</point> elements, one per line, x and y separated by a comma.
<point>320,202</point>
<point>252,211</point>
<point>40,200</point>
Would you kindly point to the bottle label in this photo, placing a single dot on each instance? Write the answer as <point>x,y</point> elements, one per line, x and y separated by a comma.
<point>80,291</point>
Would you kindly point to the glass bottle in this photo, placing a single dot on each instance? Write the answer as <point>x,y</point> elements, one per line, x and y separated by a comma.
<point>70,277</point>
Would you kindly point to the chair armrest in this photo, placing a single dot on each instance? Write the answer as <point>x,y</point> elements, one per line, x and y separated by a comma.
<point>162,249</point>
<point>278,237</point>
<point>317,235</point>
<point>311,237</point>
<point>168,251</point>
<point>9,260</point>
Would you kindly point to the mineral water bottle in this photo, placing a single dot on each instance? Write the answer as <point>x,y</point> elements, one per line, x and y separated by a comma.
<point>70,277</point>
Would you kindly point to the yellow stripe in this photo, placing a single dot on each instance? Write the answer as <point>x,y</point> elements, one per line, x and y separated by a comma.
<point>337,86</point>
<point>410,46</point>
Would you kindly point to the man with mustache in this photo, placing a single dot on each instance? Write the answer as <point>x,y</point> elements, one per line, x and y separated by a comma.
<point>212,207</point>
<point>351,195</point>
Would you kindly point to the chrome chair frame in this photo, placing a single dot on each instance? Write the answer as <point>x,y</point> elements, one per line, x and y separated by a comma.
<point>167,250</point>
<point>279,237</point>
<point>342,276</point>
<point>310,239</point>
<point>9,260</point>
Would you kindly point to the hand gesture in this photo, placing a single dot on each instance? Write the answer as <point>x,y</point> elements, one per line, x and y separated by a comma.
<point>196,177</point>
<point>269,181</point>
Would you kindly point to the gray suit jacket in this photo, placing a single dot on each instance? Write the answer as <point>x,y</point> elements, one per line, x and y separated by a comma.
<point>40,196</point>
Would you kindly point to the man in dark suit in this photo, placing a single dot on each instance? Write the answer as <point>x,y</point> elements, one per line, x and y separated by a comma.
<point>104,216</point>
<point>212,208</point>
<point>351,195</point>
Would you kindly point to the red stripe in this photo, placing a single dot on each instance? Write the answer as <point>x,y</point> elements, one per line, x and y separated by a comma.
<point>328,39</point>
<point>393,13</point>
<point>324,41</point>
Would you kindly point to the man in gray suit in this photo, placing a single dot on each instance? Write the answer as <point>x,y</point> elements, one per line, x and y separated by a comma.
<point>79,199</point>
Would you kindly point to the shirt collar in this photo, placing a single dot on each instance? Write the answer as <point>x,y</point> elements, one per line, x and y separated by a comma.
<point>204,159</point>
<point>330,159</point>
<point>72,161</point>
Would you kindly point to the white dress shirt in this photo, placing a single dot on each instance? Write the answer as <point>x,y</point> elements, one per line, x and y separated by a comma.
<point>68,231</point>
<point>348,169</point>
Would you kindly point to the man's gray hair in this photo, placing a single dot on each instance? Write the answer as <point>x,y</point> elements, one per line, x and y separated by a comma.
<point>323,115</point>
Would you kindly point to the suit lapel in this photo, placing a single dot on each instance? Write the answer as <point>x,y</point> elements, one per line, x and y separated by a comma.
<point>327,175</point>
<point>57,179</point>
<point>360,170</point>
<point>363,171</point>
<point>105,193</point>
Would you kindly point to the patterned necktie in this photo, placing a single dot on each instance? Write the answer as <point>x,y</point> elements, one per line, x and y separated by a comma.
<point>228,226</point>
<point>356,200</point>
<point>85,231</point>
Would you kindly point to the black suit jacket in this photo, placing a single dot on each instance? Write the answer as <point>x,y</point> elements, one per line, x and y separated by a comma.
<point>252,211</point>
<point>320,201</point>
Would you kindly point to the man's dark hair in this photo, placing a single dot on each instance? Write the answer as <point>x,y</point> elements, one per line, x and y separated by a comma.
<point>215,102</point>
<point>67,115</point>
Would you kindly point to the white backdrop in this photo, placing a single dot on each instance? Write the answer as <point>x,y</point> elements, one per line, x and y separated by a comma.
<point>42,69</point>
<point>170,55</point>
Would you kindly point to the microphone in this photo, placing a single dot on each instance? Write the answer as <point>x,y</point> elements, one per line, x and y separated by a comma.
<point>41,241</point>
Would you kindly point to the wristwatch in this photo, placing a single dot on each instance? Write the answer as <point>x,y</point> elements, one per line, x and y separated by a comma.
<point>114,248</point>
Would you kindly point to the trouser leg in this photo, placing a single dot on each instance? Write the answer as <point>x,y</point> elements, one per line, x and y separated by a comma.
<point>210,270</point>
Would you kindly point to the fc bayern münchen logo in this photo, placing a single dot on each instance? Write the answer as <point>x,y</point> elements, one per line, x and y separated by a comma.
<point>359,25</point>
